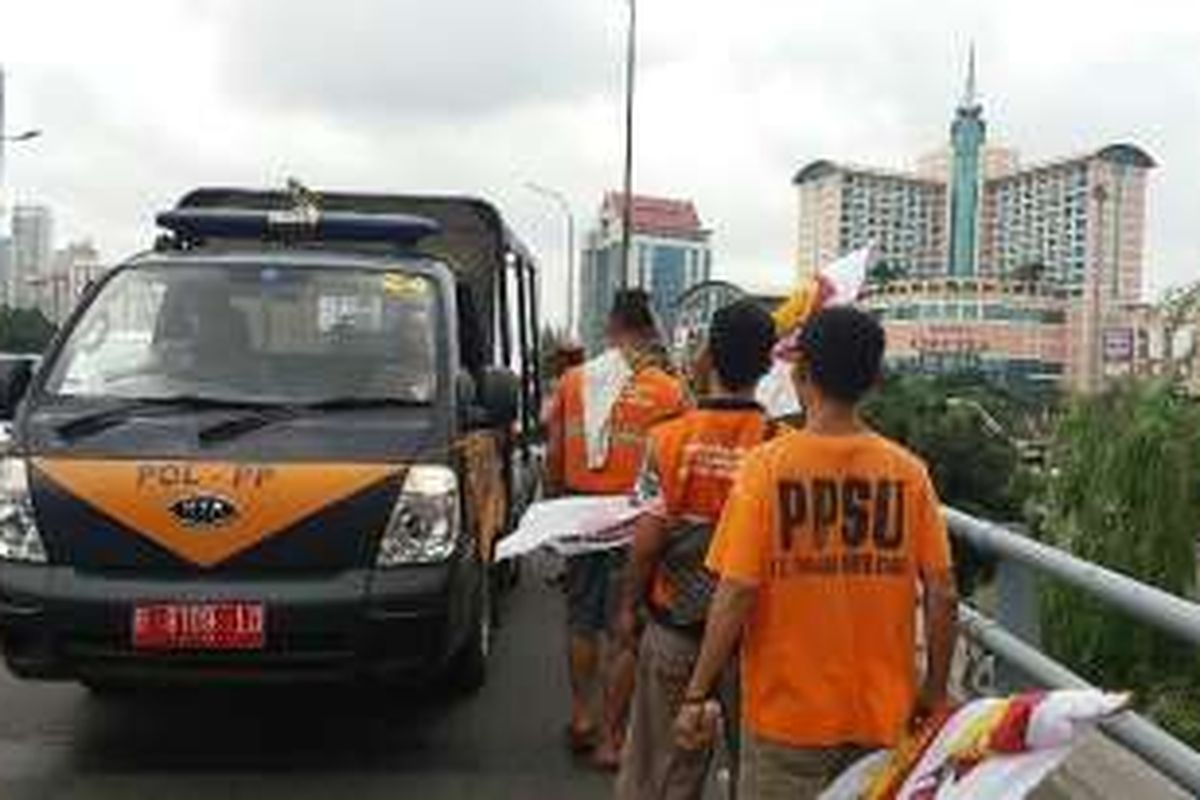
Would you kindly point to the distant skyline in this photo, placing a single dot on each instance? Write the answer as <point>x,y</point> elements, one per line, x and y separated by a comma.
<point>142,101</point>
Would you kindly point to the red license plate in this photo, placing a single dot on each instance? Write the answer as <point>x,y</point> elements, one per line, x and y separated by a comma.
<point>199,626</point>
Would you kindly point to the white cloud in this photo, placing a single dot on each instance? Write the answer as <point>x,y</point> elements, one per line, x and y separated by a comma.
<point>142,100</point>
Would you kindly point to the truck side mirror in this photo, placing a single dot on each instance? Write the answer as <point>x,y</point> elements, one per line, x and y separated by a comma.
<point>15,376</point>
<point>499,393</point>
<point>470,415</point>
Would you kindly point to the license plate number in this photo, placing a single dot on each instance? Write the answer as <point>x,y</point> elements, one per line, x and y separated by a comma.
<point>199,626</point>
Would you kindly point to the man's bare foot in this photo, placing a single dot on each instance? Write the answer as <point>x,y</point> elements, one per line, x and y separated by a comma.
<point>582,739</point>
<point>607,757</point>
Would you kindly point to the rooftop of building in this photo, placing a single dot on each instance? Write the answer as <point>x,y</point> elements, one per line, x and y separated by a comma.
<point>1119,152</point>
<point>823,166</point>
<point>657,215</point>
<point>1125,153</point>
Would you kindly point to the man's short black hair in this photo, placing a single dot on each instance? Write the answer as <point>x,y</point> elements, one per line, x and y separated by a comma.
<point>631,311</point>
<point>740,339</point>
<point>843,349</point>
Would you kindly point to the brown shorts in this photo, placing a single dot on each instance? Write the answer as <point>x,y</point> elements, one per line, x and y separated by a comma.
<point>771,771</point>
<point>652,767</point>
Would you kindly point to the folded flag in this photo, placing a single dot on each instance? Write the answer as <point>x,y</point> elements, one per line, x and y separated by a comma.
<point>838,283</point>
<point>988,749</point>
<point>573,525</point>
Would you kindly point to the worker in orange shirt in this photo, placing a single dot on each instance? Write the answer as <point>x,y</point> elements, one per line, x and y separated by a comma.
<point>829,537</point>
<point>598,420</point>
<point>690,463</point>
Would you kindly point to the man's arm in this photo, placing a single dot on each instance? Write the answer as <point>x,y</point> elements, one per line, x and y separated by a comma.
<point>552,418</point>
<point>738,555</point>
<point>939,603</point>
<point>650,536</point>
<point>940,607</point>
<point>731,608</point>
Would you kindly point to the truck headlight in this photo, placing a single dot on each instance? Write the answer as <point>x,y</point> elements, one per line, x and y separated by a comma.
<point>19,537</point>
<point>424,526</point>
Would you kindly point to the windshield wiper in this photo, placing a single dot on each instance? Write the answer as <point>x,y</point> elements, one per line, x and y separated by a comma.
<point>353,403</point>
<point>105,418</point>
<point>261,417</point>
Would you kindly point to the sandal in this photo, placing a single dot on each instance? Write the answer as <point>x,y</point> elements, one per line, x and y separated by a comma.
<point>580,742</point>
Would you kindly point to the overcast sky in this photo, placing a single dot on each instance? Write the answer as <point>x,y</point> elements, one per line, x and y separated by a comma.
<point>142,99</point>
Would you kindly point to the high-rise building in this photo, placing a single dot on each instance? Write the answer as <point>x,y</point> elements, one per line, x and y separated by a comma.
<point>669,253</point>
<point>967,135</point>
<point>32,236</point>
<point>844,208</point>
<point>73,268</point>
<point>1025,271</point>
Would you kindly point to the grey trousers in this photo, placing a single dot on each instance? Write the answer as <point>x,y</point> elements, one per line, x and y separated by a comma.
<point>771,771</point>
<point>652,767</point>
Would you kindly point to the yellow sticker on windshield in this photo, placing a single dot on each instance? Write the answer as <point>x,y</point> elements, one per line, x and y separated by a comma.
<point>398,284</point>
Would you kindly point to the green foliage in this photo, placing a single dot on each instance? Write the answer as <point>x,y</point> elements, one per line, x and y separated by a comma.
<point>1126,494</point>
<point>885,272</point>
<point>24,330</point>
<point>964,429</point>
<point>973,468</point>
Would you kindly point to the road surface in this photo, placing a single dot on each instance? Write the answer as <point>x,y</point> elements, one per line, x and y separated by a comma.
<point>56,741</point>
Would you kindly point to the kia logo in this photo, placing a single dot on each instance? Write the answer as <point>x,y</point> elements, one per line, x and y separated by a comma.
<point>204,511</point>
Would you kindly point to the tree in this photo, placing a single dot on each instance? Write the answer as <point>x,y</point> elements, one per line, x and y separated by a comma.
<point>24,330</point>
<point>1125,493</point>
<point>885,272</point>
<point>972,467</point>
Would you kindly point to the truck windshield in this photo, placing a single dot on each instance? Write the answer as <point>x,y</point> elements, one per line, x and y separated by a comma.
<point>270,333</point>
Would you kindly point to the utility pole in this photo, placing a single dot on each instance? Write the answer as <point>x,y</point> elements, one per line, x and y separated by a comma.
<point>627,209</point>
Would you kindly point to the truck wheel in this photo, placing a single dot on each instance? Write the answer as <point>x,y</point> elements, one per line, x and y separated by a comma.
<point>468,672</point>
<point>109,688</point>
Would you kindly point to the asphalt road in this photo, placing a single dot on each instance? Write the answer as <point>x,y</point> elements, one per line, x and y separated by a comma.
<point>57,741</point>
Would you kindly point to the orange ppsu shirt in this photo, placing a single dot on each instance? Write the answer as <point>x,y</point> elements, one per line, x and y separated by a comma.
<point>694,459</point>
<point>835,532</point>
<point>650,396</point>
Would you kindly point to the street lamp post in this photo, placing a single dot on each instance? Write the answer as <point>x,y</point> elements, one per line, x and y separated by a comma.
<point>1095,340</point>
<point>5,138</point>
<point>627,210</point>
<point>23,136</point>
<point>564,205</point>
<point>990,423</point>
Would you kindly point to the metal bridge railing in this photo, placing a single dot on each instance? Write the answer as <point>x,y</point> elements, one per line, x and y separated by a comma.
<point>1014,637</point>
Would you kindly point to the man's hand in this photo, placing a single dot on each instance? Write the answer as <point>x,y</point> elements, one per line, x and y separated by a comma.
<point>940,605</point>
<point>696,724</point>
<point>932,702</point>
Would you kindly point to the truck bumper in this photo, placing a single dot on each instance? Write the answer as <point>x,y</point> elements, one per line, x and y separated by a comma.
<point>398,624</point>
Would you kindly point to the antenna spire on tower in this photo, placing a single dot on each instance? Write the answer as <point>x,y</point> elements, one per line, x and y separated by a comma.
<point>971,93</point>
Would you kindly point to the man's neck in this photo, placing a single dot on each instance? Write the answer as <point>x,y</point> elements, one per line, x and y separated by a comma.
<point>834,419</point>
<point>717,391</point>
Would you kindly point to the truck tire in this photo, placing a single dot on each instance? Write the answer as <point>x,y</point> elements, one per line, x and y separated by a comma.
<point>468,669</point>
<point>110,688</point>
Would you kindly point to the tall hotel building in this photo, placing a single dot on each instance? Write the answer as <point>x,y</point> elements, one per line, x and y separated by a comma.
<point>670,251</point>
<point>1027,272</point>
